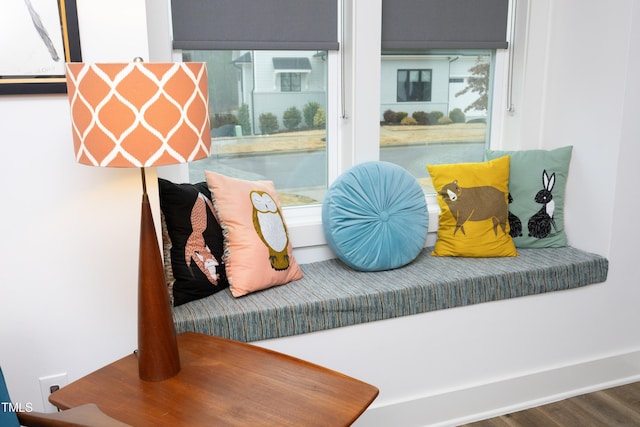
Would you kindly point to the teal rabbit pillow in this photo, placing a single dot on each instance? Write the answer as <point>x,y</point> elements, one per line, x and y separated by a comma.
<point>537,182</point>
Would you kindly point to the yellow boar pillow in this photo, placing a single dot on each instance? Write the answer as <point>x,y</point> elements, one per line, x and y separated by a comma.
<point>474,205</point>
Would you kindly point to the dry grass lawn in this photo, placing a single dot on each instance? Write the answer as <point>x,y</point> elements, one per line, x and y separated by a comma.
<point>312,140</point>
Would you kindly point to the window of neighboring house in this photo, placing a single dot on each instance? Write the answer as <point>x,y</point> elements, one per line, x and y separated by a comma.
<point>264,132</point>
<point>290,82</point>
<point>434,108</point>
<point>414,85</point>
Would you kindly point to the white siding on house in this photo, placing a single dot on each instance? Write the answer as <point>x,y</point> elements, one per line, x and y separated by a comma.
<point>443,93</point>
<point>267,96</point>
<point>267,79</point>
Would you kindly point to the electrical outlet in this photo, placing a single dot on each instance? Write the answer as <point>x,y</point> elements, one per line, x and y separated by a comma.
<point>50,384</point>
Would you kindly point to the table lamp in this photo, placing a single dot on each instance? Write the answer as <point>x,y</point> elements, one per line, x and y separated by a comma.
<point>139,115</point>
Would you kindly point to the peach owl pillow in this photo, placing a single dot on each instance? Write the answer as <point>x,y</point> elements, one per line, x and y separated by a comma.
<point>257,250</point>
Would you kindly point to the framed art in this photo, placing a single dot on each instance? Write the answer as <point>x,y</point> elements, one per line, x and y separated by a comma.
<point>37,38</point>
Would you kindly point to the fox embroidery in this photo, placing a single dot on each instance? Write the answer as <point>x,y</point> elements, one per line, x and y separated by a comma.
<point>196,249</point>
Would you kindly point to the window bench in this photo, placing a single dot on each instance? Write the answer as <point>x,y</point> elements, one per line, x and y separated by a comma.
<point>332,295</point>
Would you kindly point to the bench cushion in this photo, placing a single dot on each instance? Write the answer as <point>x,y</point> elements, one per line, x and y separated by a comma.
<point>332,295</point>
<point>375,217</point>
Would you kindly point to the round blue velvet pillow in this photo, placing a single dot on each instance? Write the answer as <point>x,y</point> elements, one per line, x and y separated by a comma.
<point>375,217</point>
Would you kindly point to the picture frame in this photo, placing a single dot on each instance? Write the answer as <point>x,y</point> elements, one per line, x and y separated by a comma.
<point>40,37</point>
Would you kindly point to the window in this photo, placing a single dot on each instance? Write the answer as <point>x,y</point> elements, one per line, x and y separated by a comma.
<point>414,85</point>
<point>278,131</point>
<point>261,130</point>
<point>435,105</point>
<point>296,117</point>
<point>290,82</point>
<point>459,45</point>
<point>268,83</point>
<point>342,53</point>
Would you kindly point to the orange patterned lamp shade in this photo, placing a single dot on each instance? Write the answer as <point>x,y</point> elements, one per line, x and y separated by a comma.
<point>139,114</point>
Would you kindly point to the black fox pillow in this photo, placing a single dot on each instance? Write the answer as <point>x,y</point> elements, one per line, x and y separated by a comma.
<point>537,182</point>
<point>196,240</point>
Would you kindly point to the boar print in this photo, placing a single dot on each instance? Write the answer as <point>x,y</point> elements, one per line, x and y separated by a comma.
<point>475,204</point>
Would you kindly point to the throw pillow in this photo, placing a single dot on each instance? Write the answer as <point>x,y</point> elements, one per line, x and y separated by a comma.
<point>257,250</point>
<point>196,240</point>
<point>537,182</point>
<point>375,217</point>
<point>473,203</point>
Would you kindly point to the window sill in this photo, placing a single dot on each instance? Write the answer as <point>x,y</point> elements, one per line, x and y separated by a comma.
<point>305,223</point>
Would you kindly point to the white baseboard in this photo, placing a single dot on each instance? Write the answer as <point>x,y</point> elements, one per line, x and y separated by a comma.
<point>457,407</point>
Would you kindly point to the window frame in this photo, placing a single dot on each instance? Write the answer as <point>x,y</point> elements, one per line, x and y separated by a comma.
<point>353,124</point>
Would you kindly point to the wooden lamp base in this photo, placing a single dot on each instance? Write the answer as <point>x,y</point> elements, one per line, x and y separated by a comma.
<point>158,357</point>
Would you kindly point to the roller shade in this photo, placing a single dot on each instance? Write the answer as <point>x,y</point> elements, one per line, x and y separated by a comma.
<point>447,24</point>
<point>255,25</point>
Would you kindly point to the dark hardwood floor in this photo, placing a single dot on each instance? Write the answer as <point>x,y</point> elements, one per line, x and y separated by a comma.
<point>614,407</point>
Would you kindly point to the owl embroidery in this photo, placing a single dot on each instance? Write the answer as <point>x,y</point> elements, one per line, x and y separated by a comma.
<point>269,225</point>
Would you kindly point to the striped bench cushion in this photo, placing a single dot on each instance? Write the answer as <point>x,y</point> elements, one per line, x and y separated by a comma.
<point>332,295</point>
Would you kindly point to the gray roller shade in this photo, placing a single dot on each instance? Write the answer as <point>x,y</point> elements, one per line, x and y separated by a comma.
<point>433,24</point>
<point>255,24</point>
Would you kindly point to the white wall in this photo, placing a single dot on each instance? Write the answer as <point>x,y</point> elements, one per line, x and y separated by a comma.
<point>70,232</point>
<point>575,85</point>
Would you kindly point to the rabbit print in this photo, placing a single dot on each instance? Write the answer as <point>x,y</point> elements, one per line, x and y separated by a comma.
<point>515,225</point>
<point>541,222</point>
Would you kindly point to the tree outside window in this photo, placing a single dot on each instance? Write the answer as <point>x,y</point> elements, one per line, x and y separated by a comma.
<point>478,83</point>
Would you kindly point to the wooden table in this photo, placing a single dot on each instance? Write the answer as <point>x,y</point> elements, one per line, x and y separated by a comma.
<point>223,383</point>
